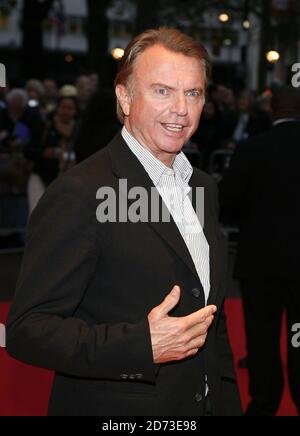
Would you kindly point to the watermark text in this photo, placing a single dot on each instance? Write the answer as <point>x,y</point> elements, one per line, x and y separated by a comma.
<point>296,337</point>
<point>2,336</point>
<point>296,76</point>
<point>139,205</point>
<point>2,76</point>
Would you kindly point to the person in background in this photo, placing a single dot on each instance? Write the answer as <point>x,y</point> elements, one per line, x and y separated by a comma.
<point>207,136</point>
<point>98,126</point>
<point>68,91</point>
<point>36,95</point>
<point>20,126</point>
<point>85,87</point>
<point>244,122</point>
<point>94,82</point>
<point>51,95</point>
<point>21,129</point>
<point>55,155</point>
<point>260,191</point>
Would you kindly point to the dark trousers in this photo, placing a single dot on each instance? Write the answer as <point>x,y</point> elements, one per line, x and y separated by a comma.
<point>264,303</point>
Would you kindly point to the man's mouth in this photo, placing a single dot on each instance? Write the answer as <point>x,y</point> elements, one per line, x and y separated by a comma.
<point>173,127</point>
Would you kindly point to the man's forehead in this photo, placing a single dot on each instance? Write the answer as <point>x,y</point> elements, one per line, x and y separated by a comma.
<point>157,61</point>
<point>160,55</point>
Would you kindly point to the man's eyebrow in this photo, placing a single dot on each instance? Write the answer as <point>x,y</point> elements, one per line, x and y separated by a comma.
<point>163,85</point>
<point>197,88</point>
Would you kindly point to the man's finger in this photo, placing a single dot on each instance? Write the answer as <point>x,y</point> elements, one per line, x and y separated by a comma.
<point>200,316</point>
<point>200,328</point>
<point>171,300</point>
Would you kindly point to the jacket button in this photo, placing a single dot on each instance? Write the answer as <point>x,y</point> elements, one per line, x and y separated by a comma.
<point>132,377</point>
<point>139,376</point>
<point>198,398</point>
<point>124,376</point>
<point>196,292</point>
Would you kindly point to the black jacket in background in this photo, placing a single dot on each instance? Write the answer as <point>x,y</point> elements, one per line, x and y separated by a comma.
<point>261,191</point>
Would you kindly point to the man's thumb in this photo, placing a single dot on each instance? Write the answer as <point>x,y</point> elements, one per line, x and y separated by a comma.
<point>171,300</point>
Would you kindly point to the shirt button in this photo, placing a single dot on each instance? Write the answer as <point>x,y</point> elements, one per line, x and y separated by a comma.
<point>198,398</point>
<point>124,376</point>
<point>139,376</point>
<point>169,172</point>
<point>132,377</point>
<point>196,292</point>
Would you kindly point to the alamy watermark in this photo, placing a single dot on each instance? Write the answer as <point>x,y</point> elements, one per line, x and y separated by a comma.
<point>296,76</point>
<point>2,336</point>
<point>139,205</point>
<point>296,337</point>
<point>2,76</point>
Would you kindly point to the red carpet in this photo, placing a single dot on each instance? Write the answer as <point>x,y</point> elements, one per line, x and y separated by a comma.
<point>237,337</point>
<point>25,390</point>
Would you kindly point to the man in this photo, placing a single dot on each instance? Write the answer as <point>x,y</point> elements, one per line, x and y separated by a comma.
<point>261,189</point>
<point>243,122</point>
<point>117,309</point>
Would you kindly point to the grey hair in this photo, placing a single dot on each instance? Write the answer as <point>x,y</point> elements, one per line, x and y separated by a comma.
<point>17,92</point>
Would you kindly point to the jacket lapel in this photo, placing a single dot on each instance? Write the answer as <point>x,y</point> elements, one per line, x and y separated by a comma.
<point>125,165</point>
<point>210,231</point>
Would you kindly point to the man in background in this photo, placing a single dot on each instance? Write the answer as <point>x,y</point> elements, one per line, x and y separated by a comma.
<point>261,192</point>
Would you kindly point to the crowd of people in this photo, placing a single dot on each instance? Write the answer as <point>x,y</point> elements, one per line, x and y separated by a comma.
<point>45,129</point>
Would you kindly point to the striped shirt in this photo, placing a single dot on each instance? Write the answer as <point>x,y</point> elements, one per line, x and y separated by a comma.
<point>173,186</point>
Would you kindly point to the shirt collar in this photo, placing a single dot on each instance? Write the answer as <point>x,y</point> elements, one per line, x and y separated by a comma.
<point>153,166</point>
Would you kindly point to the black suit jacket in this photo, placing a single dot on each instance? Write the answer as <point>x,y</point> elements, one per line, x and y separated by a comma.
<point>85,291</point>
<point>260,191</point>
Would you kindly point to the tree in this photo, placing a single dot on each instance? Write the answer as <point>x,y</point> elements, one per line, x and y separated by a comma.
<point>279,23</point>
<point>147,15</point>
<point>97,34</point>
<point>33,14</point>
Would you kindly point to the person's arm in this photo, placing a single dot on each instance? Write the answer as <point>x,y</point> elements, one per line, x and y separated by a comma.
<point>61,256</point>
<point>230,398</point>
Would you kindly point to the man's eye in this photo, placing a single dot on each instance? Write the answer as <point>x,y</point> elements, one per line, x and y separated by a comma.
<point>162,91</point>
<point>193,93</point>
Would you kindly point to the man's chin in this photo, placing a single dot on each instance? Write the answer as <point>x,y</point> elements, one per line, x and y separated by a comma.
<point>173,147</point>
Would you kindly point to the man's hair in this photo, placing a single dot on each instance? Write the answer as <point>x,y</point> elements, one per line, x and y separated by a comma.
<point>285,103</point>
<point>171,39</point>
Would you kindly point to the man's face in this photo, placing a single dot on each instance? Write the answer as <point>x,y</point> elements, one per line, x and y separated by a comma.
<point>164,109</point>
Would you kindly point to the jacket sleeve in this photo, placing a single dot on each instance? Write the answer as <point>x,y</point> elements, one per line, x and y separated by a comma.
<point>230,397</point>
<point>60,259</point>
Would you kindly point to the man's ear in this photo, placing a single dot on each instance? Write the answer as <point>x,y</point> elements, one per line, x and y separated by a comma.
<point>124,98</point>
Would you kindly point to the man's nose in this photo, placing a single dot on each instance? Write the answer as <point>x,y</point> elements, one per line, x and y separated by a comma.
<point>179,105</point>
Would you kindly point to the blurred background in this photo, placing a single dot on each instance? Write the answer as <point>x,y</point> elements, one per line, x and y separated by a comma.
<point>62,39</point>
<point>61,57</point>
<point>58,107</point>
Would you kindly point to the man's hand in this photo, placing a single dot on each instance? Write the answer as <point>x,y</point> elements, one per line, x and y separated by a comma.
<point>177,338</point>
